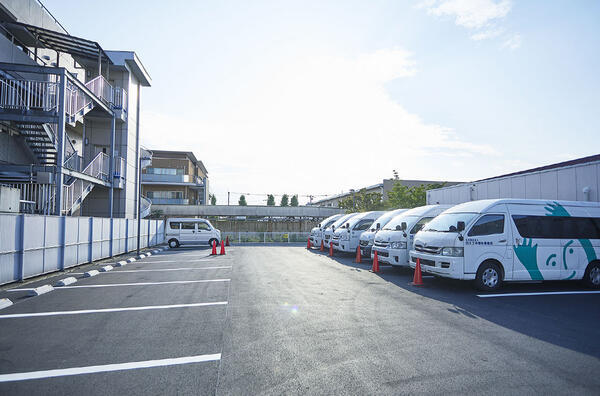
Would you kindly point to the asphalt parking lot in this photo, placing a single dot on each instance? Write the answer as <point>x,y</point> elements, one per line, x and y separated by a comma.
<point>279,319</point>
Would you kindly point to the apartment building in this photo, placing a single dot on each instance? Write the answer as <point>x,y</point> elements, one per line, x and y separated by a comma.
<point>175,178</point>
<point>69,117</point>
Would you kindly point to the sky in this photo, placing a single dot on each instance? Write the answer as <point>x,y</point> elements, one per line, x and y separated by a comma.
<point>320,97</point>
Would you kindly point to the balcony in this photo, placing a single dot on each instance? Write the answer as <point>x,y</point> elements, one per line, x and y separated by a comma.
<point>169,201</point>
<point>194,181</point>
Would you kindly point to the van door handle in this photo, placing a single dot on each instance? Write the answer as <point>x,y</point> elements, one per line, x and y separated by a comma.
<point>502,241</point>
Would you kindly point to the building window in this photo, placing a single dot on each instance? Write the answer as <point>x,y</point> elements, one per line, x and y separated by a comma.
<point>165,171</point>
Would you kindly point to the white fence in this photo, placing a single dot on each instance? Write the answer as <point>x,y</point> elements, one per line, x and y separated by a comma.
<point>31,245</point>
<point>265,237</point>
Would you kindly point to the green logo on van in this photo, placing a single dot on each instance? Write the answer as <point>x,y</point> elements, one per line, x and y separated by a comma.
<point>527,251</point>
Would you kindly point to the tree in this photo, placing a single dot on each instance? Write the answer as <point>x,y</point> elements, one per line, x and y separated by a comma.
<point>270,200</point>
<point>294,200</point>
<point>409,197</point>
<point>284,200</point>
<point>242,201</point>
<point>213,199</point>
<point>362,201</point>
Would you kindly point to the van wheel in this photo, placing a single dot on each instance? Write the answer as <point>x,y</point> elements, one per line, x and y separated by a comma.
<point>489,276</point>
<point>210,243</point>
<point>592,275</point>
<point>173,243</point>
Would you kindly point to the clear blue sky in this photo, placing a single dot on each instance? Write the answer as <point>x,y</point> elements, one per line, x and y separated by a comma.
<point>317,97</point>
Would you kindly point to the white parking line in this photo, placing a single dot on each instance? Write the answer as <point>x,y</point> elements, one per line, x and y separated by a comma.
<point>168,269</point>
<point>104,310</point>
<point>108,367</point>
<point>537,294</point>
<point>145,283</point>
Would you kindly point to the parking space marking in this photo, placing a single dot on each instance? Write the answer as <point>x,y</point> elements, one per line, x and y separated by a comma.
<point>538,293</point>
<point>132,284</point>
<point>105,310</point>
<point>145,283</point>
<point>168,269</point>
<point>108,367</point>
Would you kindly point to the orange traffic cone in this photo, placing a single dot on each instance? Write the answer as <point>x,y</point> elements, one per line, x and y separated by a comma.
<point>322,246</point>
<point>375,262</point>
<point>308,243</point>
<point>358,257</point>
<point>222,248</point>
<point>227,241</point>
<point>330,249</point>
<point>214,248</point>
<point>418,279</point>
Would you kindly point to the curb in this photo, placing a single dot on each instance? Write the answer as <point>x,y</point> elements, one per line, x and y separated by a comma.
<point>5,302</point>
<point>40,290</point>
<point>122,263</point>
<point>106,268</point>
<point>66,281</point>
<point>91,273</point>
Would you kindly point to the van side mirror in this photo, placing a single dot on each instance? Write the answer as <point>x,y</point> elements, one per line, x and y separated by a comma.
<point>403,226</point>
<point>398,228</point>
<point>332,228</point>
<point>460,226</point>
<point>347,225</point>
<point>378,226</point>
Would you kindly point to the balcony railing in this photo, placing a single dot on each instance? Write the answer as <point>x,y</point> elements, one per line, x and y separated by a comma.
<point>28,95</point>
<point>151,177</point>
<point>25,95</point>
<point>101,88</point>
<point>121,102</point>
<point>169,201</point>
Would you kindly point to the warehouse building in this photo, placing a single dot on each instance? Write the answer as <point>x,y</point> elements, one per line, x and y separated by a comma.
<point>575,180</point>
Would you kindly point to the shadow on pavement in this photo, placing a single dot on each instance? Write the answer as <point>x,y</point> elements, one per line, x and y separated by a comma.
<point>569,321</point>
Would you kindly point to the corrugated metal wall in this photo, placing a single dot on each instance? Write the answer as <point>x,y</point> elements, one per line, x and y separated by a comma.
<point>31,245</point>
<point>568,183</point>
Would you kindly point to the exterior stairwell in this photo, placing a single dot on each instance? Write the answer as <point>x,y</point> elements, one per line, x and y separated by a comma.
<point>75,192</point>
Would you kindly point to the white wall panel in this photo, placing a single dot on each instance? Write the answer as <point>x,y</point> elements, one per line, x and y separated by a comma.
<point>10,241</point>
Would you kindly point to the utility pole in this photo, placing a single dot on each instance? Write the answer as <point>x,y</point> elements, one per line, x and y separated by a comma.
<point>228,193</point>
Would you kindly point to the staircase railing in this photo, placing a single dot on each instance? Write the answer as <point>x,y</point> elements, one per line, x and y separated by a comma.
<point>75,193</point>
<point>145,205</point>
<point>121,102</point>
<point>28,95</point>
<point>77,100</point>
<point>101,88</point>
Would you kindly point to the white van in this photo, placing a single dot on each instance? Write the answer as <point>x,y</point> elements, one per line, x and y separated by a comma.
<point>316,234</point>
<point>496,240</point>
<point>181,231</point>
<point>345,239</point>
<point>328,231</point>
<point>367,237</point>
<point>394,241</point>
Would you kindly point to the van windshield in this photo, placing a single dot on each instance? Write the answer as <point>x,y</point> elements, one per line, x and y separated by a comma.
<point>396,221</point>
<point>447,222</point>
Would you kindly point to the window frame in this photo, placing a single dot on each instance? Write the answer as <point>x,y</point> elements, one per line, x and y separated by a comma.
<point>484,216</point>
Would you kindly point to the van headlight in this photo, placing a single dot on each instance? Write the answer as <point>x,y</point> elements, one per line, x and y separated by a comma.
<point>453,251</point>
<point>398,245</point>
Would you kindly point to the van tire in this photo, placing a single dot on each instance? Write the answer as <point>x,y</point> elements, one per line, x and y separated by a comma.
<point>591,278</point>
<point>489,276</point>
<point>210,243</point>
<point>173,243</point>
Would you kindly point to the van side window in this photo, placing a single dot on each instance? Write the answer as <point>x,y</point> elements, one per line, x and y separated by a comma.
<point>552,227</point>
<point>420,224</point>
<point>203,227</point>
<point>175,225</point>
<point>188,226</point>
<point>363,226</point>
<point>488,225</point>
